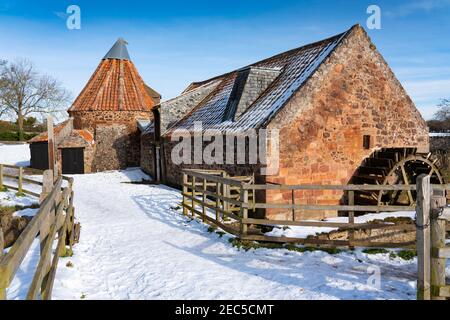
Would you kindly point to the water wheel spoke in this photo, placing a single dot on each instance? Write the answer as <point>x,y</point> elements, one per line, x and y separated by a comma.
<point>406,181</point>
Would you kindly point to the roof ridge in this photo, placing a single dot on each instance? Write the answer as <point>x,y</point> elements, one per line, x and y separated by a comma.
<point>306,46</point>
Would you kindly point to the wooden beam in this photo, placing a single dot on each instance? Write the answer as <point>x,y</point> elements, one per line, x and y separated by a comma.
<point>359,208</point>
<point>437,264</point>
<point>51,145</point>
<point>423,237</point>
<point>244,212</point>
<point>1,177</point>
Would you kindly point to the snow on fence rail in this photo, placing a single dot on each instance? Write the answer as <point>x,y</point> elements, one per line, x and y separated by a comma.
<point>54,217</point>
<point>225,202</point>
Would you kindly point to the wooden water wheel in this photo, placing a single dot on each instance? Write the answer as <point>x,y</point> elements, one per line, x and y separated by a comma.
<point>394,166</point>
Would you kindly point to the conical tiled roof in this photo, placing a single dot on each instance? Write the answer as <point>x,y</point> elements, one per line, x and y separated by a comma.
<point>115,85</point>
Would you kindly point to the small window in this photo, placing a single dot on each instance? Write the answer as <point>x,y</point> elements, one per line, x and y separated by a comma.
<point>366,142</point>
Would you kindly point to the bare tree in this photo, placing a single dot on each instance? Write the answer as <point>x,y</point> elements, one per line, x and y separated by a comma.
<point>3,109</point>
<point>23,92</point>
<point>443,114</point>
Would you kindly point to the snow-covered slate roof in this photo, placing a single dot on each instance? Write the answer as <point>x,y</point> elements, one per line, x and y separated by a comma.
<point>297,66</point>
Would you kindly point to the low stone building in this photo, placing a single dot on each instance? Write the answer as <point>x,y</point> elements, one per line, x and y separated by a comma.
<point>334,103</point>
<point>102,133</point>
<point>71,146</point>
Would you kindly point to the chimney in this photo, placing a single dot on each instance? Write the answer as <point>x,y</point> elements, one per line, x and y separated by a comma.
<point>250,83</point>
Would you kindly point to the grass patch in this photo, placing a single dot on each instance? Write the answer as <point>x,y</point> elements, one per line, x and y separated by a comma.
<point>67,253</point>
<point>375,251</point>
<point>7,210</point>
<point>69,264</point>
<point>12,209</point>
<point>3,189</point>
<point>407,254</point>
<point>248,245</point>
<point>220,233</point>
<point>211,229</point>
<point>20,194</point>
<point>83,296</point>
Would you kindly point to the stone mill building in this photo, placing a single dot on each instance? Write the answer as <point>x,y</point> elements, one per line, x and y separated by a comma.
<point>102,132</point>
<point>335,103</point>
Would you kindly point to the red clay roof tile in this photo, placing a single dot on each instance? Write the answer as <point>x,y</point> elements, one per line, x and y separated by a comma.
<point>115,86</point>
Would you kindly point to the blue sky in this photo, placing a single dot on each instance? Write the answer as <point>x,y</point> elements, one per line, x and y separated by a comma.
<point>174,43</point>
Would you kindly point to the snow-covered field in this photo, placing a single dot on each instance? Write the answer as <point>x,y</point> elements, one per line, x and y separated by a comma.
<point>135,244</point>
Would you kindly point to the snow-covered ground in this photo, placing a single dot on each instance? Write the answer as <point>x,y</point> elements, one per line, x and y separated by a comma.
<point>135,244</point>
<point>15,154</point>
<point>304,232</point>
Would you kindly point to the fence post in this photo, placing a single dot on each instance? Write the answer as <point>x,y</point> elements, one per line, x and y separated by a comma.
<point>193,196</point>
<point>244,210</point>
<point>20,184</point>
<point>351,217</point>
<point>1,177</point>
<point>185,191</point>
<point>47,184</point>
<point>204,201</point>
<point>217,201</point>
<point>423,237</point>
<point>47,187</point>
<point>293,204</point>
<point>2,246</point>
<point>225,193</point>
<point>437,242</point>
<point>2,242</point>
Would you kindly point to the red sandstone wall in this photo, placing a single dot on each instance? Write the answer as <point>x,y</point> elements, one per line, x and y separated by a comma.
<point>321,139</point>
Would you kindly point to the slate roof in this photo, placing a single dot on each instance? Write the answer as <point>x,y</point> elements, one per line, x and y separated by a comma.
<point>115,86</point>
<point>297,66</point>
<point>118,51</point>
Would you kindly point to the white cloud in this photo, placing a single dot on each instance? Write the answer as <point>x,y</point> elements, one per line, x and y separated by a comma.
<point>411,7</point>
<point>425,90</point>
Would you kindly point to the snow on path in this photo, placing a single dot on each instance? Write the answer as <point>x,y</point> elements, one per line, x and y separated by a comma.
<point>135,245</point>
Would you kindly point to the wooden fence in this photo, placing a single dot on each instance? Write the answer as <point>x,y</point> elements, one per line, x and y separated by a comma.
<point>55,217</point>
<point>226,202</point>
<point>432,219</point>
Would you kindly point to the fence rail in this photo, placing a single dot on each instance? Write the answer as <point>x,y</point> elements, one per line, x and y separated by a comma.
<point>54,221</point>
<point>226,202</point>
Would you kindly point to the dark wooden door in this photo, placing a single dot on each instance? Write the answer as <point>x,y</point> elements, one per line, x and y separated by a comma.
<point>39,155</point>
<point>72,160</point>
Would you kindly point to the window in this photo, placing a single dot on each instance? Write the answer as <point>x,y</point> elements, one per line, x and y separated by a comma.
<point>366,142</point>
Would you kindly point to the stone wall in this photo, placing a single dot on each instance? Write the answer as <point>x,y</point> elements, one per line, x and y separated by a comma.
<point>116,135</point>
<point>75,141</point>
<point>148,154</point>
<point>172,172</point>
<point>354,93</point>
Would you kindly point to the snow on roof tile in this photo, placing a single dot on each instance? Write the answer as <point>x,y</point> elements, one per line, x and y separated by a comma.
<point>297,66</point>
